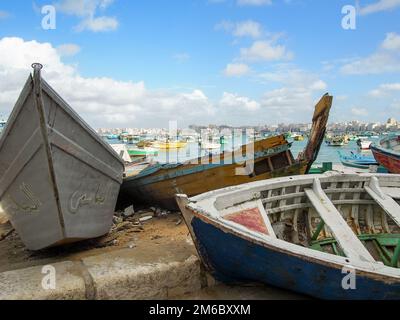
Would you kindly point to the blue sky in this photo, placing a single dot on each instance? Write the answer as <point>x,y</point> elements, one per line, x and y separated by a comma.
<point>144,63</point>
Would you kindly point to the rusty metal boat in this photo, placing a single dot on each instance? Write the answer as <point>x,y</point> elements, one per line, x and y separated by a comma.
<point>59,180</point>
<point>157,184</point>
<point>330,236</point>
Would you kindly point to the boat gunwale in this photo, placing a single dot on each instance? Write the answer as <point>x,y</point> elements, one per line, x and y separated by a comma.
<point>377,146</point>
<point>198,204</point>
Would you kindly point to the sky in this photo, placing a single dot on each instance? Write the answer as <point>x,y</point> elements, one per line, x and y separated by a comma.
<point>123,63</point>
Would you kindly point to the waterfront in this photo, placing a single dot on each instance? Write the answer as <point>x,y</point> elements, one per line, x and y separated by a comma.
<point>192,150</point>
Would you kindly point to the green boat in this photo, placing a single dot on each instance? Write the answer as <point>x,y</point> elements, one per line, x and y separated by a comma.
<point>140,152</point>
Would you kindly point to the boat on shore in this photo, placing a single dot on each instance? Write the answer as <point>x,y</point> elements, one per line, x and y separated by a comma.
<point>364,143</point>
<point>59,179</point>
<point>359,161</point>
<point>303,233</point>
<point>157,183</point>
<point>387,153</point>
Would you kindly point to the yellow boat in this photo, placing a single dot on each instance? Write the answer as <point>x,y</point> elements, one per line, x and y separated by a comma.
<point>157,184</point>
<point>169,144</point>
<point>298,138</point>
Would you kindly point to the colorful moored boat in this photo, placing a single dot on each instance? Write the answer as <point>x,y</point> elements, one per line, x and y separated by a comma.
<point>309,234</point>
<point>387,153</point>
<point>142,152</point>
<point>359,161</point>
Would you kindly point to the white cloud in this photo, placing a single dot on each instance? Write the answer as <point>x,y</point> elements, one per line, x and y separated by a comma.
<point>360,112</point>
<point>254,2</point>
<point>247,28</point>
<point>265,51</point>
<point>232,100</point>
<point>236,69</point>
<point>381,5</point>
<point>98,24</point>
<point>293,77</point>
<point>101,101</point>
<point>385,60</point>
<point>294,101</point>
<point>318,85</point>
<point>385,89</point>
<point>68,49</point>
<point>391,42</point>
<point>181,57</point>
<point>87,10</point>
<point>107,102</point>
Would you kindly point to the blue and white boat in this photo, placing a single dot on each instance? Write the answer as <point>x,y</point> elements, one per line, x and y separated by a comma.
<point>356,160</point>
<point>330,236</point>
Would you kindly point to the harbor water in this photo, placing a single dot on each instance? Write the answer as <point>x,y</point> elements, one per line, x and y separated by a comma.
<point>193,150</point>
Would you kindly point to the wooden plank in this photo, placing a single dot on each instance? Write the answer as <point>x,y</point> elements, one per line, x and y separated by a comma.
<point>265,218</point>
<point>351,245</point>
<point>385,201</point>
<point>391,192</point>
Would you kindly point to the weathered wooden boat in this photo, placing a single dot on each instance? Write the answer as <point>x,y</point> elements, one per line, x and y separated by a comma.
<point>387,153</point>
<point>359,161</point>
<point>331,236</point>
<point>157,183</point>
<point>59,179</point>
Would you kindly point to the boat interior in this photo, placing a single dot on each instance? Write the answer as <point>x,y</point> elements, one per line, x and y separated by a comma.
<point>391,143</point>
<point>356,217</point>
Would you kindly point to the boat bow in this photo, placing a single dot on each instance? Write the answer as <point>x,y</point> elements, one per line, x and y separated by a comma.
<point>319,121</point>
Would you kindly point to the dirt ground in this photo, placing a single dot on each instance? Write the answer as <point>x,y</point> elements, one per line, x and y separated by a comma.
<point>126,233</point>
<point>149,239</point>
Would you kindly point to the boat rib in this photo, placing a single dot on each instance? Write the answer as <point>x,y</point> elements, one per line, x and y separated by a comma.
<point>351,245</point>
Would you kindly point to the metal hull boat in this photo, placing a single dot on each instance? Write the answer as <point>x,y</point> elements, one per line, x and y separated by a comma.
<point>330,236</point>
<point>387,153</point>
<point>59,179</point>
<point>267,158</point>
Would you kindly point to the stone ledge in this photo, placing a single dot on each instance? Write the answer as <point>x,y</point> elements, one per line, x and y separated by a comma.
<point>123,278</point>
<point>116,275</point>
<point>26,284</point>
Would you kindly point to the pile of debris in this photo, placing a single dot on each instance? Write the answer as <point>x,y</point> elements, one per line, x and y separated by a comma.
<point>128,221</point>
